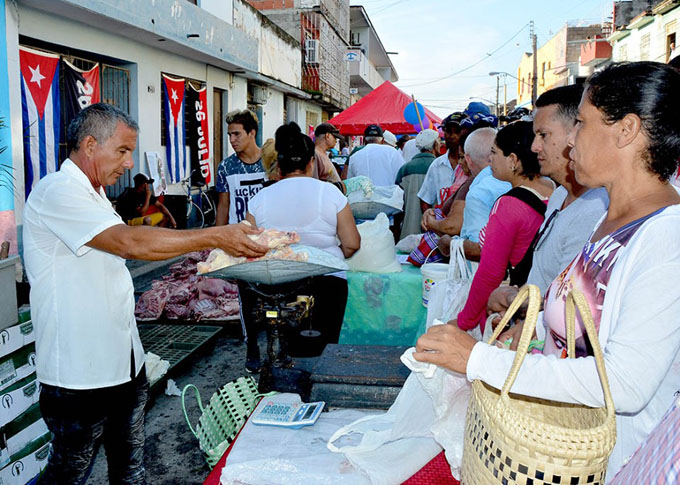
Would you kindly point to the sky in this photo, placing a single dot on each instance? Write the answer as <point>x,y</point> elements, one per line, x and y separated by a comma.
<point>437,39</point>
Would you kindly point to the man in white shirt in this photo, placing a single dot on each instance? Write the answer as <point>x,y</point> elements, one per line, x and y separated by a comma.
<point>444,170</point>
<point>377,161</point>
<point>89,357</point>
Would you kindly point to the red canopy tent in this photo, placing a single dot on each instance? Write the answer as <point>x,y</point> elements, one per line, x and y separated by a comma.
<point>383,106</point>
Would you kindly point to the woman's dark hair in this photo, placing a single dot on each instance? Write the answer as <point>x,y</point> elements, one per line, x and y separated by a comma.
<point>294,149</point>
<point>651,91</point>
<point>517,138</point>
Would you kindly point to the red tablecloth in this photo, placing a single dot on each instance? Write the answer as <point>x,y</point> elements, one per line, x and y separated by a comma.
<point>436,472</point>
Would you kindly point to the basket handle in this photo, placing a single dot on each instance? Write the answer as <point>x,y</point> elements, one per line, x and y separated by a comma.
<point>184,407</point>
<point>576,298</point>
<point>527,291</point>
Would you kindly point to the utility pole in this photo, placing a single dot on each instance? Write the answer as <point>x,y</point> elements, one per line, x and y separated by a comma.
<point>505,95</point>
<point>497,88</point>
<point>534,78</point>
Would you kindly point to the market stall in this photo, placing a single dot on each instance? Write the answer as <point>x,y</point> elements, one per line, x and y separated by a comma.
<point>383,106</point>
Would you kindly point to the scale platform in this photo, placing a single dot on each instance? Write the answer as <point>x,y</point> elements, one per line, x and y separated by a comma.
<point>358,376</point>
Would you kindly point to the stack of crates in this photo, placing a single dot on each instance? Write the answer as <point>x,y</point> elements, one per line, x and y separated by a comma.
<point>24,437</point>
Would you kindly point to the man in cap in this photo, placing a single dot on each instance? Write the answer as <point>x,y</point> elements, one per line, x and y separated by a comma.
<point>325,137</point>
<point>389,139</point>
<point>377,161</point>
<point>445,172</point>
<point>138,206</point>
<point>410,177</point>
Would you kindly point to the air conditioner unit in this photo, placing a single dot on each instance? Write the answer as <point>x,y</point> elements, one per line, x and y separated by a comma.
<point>260,95</point>
<point>312,51</point>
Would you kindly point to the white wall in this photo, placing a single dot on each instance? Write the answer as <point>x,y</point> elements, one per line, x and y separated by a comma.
<point>222,9</point>
<point>278,57</point>
<point>295,110</point>
<point>272,114</point>
<point>15,123</point>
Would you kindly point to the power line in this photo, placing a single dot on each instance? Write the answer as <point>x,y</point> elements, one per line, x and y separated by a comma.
<point>489,54</point>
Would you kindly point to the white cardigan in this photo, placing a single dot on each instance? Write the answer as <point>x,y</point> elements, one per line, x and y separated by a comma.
<point>639,333</point>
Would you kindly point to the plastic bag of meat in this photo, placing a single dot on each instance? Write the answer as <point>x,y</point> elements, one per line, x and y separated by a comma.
<point>307,261</point>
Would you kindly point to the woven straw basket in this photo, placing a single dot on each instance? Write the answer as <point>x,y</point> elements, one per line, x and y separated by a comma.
<point>514,439</point>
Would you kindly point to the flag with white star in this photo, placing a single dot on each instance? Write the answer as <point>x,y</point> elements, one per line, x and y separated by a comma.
<point>40,114</point>
<point>175,139</point>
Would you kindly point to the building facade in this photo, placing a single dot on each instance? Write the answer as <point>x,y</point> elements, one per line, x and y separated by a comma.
<point>557,61</point>
<point>369,62</point>
<point>226,47</point>
<point>650,36</point>
<point>322,27</point>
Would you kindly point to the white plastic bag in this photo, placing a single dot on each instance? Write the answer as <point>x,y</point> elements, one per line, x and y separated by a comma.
<point>386,199</point>
<point>448,298</point>
<point>409,243</point>
<point>377,253</point>
<point>449,393</point>
<point>394,445</point>
<point>264,455</point>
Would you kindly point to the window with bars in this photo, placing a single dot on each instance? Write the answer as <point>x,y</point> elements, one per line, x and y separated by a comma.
<point>644,47</point>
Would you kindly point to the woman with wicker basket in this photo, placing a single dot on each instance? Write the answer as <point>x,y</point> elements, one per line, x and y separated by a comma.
<point>627,139</point>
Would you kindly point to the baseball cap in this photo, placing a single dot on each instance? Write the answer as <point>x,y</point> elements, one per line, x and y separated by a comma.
<point>140,178</point>
<point>426,139</point>
<point>373,130</point>
<point>454,118</point>
<point>324,128</point>
<point>389,138</point>
<point>475,107</point>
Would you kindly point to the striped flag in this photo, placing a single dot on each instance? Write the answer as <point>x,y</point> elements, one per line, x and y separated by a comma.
<point>175,139</point>
<point>40,114</point>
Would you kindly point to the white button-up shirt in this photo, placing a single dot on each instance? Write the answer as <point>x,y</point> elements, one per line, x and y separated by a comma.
<point>439,176</point>
<point>380,163</point>
<point>82,299</point>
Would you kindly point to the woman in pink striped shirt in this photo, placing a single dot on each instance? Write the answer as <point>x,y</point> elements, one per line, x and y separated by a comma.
<point>506,239</point>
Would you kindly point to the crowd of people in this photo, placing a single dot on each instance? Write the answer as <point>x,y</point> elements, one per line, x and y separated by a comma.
<point>578,195</point>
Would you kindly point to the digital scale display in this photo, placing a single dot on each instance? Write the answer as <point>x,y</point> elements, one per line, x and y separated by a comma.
<point>288,415</point>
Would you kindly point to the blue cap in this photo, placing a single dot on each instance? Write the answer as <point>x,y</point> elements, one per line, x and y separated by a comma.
<point>476,107</point>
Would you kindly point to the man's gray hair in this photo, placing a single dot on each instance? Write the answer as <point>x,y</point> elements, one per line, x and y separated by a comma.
<point>478,144</point>
<point>372,139</point>
<point>99,121</point>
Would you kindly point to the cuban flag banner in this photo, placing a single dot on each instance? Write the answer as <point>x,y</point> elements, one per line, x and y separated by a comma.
<point>81,89</point>
<point>40,114</point>
<point>175,139</point>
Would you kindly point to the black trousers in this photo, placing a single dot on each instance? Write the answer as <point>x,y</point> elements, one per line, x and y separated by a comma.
<point>330,299</point>
<point>81,420</point>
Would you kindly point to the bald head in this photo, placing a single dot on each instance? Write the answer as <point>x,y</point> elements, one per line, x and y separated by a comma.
<point>478,149</point>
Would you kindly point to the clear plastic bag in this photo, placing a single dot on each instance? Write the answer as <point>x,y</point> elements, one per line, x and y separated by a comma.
<point>386,199</point>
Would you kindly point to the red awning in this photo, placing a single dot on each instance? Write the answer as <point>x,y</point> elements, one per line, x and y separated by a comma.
<point>383,106</point>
